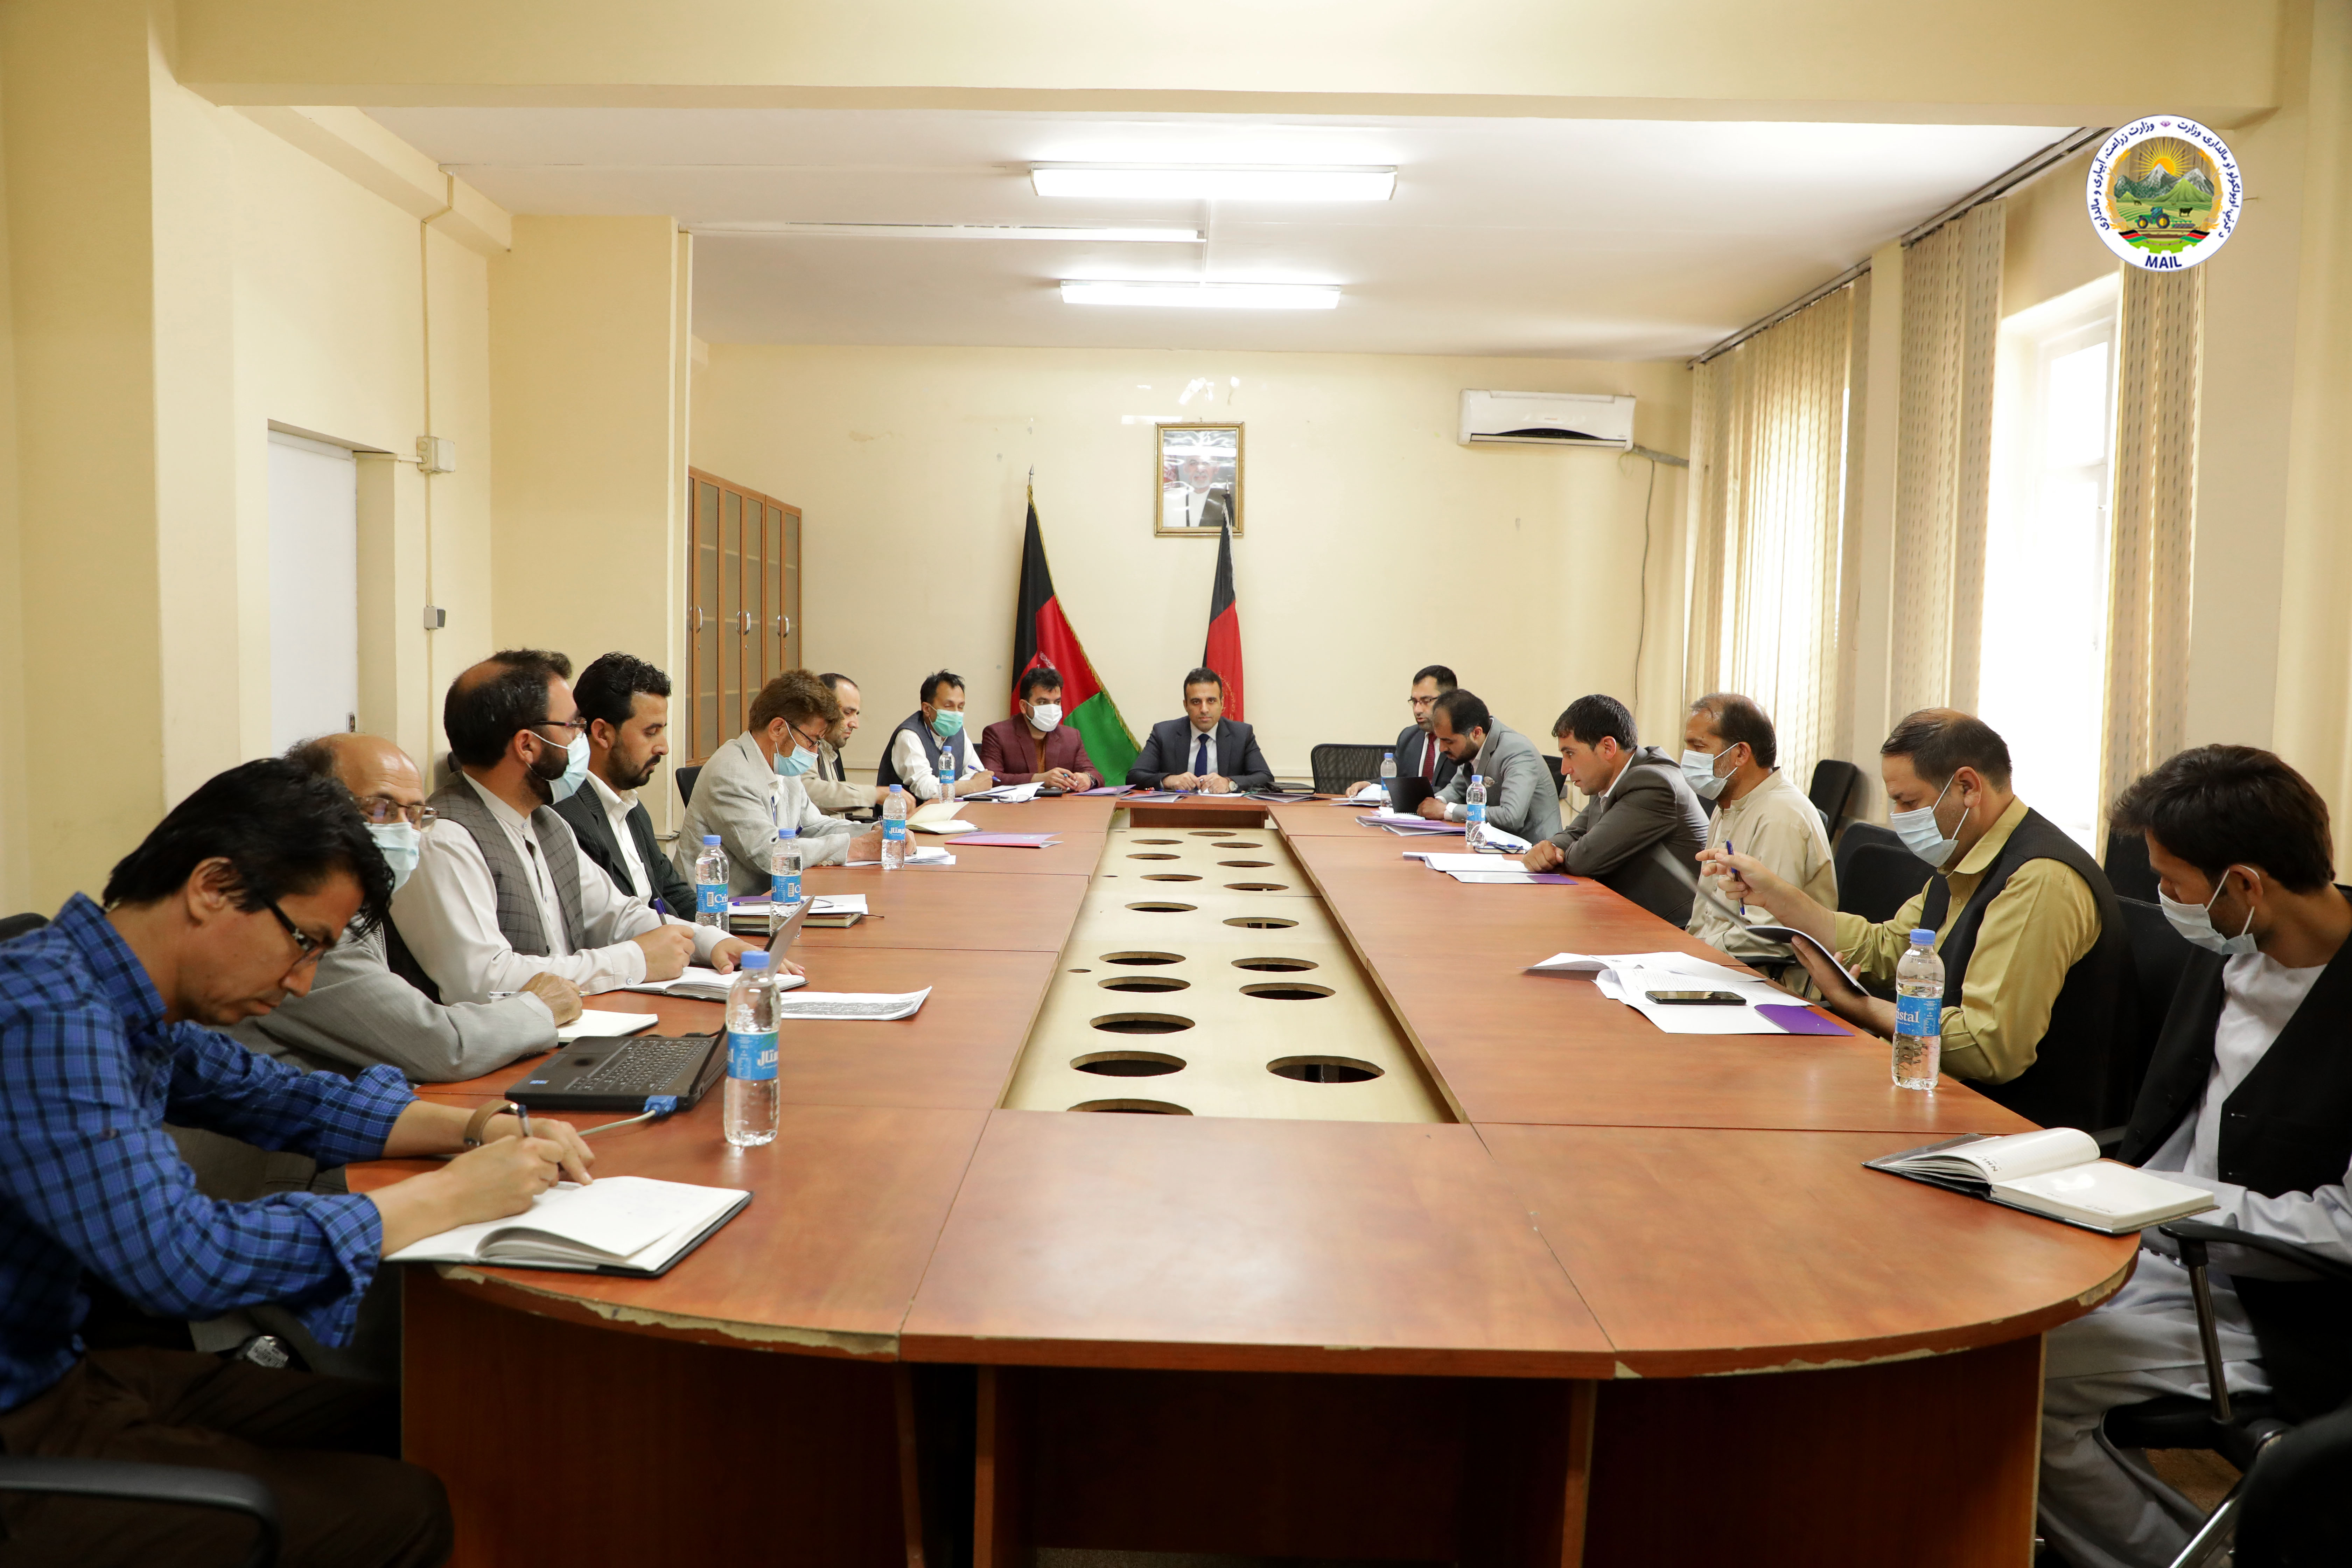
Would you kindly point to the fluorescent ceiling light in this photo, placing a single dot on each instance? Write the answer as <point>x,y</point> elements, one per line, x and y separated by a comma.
<point>1217,182</point>
<point>958,231</point>
<point>1205,296</point>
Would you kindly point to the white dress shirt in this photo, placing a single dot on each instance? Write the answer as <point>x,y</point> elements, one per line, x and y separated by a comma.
<point>915,765</point>
<point>447,914</point>
<point>617,805</point>
<point>2259,995</point>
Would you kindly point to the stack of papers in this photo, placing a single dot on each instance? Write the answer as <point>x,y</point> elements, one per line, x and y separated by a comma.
<point>592,1023</point>
<point>698,983</point>
<point>1407,822</point>
<point>1497,868</point>
<point>916,855</point>
<point>868,1004</point>
<point>1012,840</point>
<point>1010,794</point>
<point>1628,977</point>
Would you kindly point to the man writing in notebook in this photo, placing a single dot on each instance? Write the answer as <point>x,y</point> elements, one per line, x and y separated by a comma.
<point>827,780</point>
<point>1035,744</point>
<point>1418,756</point>
<point>2035,956</point>
<point>106,1032</point>
<point>2248,1096</point>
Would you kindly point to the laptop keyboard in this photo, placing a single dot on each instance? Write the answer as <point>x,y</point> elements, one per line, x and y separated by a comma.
<point>644,1067</point>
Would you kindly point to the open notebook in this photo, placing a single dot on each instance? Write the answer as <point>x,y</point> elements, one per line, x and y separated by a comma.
<point>632,1226</point>
<point>2055,1173</point>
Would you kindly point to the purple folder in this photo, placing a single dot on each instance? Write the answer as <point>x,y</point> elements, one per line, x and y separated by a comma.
<point>1106,789</point>
<point>1798,1019</point>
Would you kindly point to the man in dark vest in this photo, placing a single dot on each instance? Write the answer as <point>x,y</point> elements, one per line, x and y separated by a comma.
<point>2036,959</point>
<point>912,757</point>
<point>2249,1096</point>
<point>502,890</point>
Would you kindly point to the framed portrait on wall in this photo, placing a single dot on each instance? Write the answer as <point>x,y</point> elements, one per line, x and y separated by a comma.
<point>1197,480</point>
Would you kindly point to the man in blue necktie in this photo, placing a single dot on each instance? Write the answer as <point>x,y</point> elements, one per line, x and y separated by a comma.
<point>1204,750</point>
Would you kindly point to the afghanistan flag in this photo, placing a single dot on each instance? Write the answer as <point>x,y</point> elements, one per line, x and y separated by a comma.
<point>1042,635</point>
<point>1222,651</point>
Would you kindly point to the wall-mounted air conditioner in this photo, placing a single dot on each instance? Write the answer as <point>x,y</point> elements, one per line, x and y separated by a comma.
<point>1547,419</point>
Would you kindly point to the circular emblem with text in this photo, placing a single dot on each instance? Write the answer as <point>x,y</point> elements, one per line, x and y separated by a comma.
<point>2164,193</point>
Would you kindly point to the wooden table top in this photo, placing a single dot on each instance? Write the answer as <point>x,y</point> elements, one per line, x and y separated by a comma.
<point>1615,1202</point>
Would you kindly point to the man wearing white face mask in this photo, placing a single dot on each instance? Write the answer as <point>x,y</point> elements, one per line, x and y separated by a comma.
<point>2246,1096</point>
<point>357,1011</point>
<point>753,785</point>
<point>1731,758</point>
<point>2037,965</point>
<point>1035,744</point>
<point>502,890</point>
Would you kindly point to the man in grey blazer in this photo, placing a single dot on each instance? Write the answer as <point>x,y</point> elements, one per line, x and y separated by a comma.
<point>1519,795</point>
<point>1641,822</point>
<point>357,1011</point>
<point>752,787</point>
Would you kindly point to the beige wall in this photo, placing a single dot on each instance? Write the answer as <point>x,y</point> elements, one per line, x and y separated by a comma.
<point>1374,542</point>
<point>16,853</point>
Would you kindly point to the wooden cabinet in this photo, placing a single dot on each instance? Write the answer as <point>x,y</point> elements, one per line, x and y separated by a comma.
<point>742,605</point>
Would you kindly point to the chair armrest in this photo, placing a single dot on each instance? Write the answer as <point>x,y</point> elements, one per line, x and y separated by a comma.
<point>2109,1140</point>
<point>2293,1252</point>
<point>228,1490</point>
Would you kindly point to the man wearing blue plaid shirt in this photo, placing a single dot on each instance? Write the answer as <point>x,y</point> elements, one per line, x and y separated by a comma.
<point>220,915</point>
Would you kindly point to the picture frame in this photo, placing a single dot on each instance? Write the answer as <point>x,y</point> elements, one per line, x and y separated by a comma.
<point>1196,479</point>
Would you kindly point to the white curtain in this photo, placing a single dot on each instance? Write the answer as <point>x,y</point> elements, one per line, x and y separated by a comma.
<point>1951,321</point>
<point>2157,374</point>
<point>1768,545</point>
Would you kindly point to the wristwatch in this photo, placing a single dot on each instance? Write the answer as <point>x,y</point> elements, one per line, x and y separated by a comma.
<point>480,1122</point>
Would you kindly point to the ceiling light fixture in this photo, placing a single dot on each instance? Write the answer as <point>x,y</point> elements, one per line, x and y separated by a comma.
<point>1071,232</point>
<point>1217,182</point>
<point>1205,296</point>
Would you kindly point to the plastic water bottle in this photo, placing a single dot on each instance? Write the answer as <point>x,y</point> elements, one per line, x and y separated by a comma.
<point>750,1112</point>
<point>1918,1013</point>
<point>784,878</point>
<point>1475,835</point>
<point>894,829</point>
<point>710,884</point>
<point>1389,776</point>
<point>947,770</point>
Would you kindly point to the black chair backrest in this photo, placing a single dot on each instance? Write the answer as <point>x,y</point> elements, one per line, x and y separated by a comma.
<point>1551,763</point>
<point>685,777</point>
<point>1858,834</point>
<point>2293,1506</point>
<point>2128,873</point>
<point>1832,790</point>
<point>2158,955</point>
<point>1875,881</point>
<point>1336,765</point>
<point>14,926</point>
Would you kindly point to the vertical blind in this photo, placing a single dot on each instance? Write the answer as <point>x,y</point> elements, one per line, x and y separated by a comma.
<point>1951,321</point>
<point>1769,433</point>
<point>2157,370</point>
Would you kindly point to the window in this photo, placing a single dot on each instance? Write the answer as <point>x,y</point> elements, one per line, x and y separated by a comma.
<point>2043,680</point>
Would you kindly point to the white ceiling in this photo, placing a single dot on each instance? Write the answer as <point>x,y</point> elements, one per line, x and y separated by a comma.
<point>1578,238</point>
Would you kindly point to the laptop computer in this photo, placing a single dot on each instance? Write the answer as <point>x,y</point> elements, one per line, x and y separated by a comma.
<point>621,1074</point>
<point>1407,793</point>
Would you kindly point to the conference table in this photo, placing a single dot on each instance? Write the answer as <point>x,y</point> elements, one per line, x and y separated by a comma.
<point>1633,1299</point>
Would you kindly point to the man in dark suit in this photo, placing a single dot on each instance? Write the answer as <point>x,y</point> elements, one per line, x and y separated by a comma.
<point>626,703</point>
<point>1418,756</point>
<point>1641,828</point>
<point>1204,750</point>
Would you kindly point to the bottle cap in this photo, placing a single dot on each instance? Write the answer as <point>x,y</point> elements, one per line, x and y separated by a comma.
<point>893,789</point>
<point>710,841</point>
<point>754,960</point>
<point>1923,937</point>
<point>788,833</point>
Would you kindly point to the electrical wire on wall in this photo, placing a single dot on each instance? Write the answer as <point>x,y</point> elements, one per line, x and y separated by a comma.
<point>1642,624</point>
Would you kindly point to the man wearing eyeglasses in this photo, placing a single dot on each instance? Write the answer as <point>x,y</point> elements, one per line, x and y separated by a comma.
<point>502,889</point>
<point>107,1021</point>
<point>357,1011</point>
<point>755,783</point>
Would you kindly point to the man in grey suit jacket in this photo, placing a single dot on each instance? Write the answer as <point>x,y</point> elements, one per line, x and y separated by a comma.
<point>1519,795</point>
<point>1204,750</point>
<point>751,786</point>
<point>626,703</point>
<point>357,1011</point>
<point>1641,823</point>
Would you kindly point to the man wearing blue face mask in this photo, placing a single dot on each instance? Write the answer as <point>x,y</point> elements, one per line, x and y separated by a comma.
<point>502,890</point>
<point>1731,757</point>
<point>755,783</point>
<point>357,1011</point>
<point>2248,1096</point>
<point>912,758</point>
<point>2036,962</point>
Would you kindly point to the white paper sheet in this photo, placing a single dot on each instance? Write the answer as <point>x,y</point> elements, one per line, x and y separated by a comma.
<point>593,1024</point>
<point>877,1005</point>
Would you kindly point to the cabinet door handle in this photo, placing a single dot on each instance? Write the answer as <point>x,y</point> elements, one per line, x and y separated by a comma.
<point>694,619</point>
<point>783,626</point>
<point>743,623</point>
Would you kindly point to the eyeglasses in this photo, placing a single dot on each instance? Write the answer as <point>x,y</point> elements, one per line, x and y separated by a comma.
<point>576,725</point>
<point>380,810</point>
<point>802,736</point>
<point>307,948</point>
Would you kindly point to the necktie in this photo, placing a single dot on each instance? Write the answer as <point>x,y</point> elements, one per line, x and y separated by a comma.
<point>1201,758</point>
<point>1429,759</point>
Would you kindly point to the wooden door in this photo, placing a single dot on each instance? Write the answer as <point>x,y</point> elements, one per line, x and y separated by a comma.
<point>742,604</point>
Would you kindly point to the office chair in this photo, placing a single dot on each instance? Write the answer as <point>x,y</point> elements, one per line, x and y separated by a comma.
<point>130,1481</point>
<point>2158,953</point>
<point>1874,880</point>
<point>14,926</point>
<point>2291,1506</point>
<point>2241,1427</point>
<point>685,777</point>
<point>1551,765</point>
<point>1832,790</point>
<point>2125,863</point>
<point>1336,766</point>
